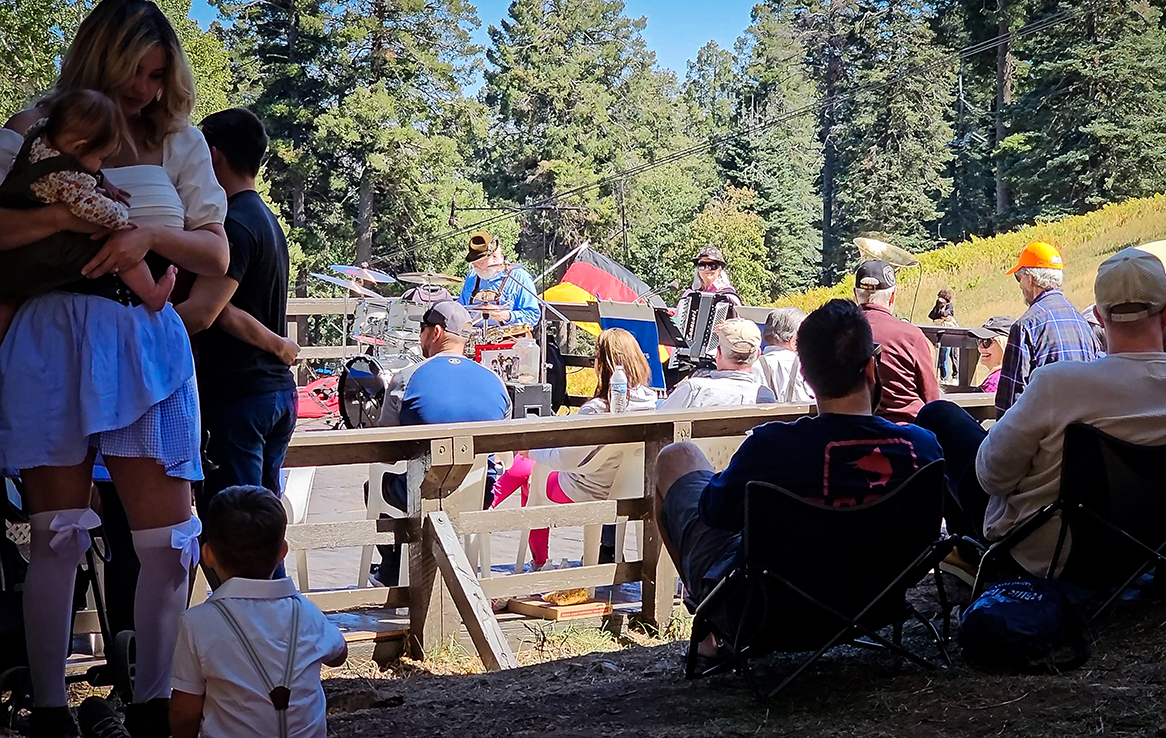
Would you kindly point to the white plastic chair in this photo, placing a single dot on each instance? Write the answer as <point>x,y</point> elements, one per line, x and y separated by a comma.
<point>297,497</point>
<point>477,545</point>
<point>628,484</point>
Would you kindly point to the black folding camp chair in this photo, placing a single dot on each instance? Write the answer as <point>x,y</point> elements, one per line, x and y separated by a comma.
<point>1112,508</point>
<point>814,577</point>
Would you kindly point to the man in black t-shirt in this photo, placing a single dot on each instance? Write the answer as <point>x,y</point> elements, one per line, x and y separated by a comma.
<point>246,389</point>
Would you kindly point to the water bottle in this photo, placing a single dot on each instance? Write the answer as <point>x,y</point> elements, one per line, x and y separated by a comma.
<point>617,398</point>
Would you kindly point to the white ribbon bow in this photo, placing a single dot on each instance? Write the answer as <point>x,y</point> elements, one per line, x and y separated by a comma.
<point>71,531</point>
<point>184,538</point>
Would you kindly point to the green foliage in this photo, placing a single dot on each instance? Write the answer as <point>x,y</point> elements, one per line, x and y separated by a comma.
<point>1089,126</point>
<point>34,34</point>
<point>729,223</point>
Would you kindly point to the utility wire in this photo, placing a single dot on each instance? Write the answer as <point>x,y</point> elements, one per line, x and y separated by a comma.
<point>1037,26</point>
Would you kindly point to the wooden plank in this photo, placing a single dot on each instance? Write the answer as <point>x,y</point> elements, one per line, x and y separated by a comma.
<point>311,536</point>
<point>430,623</point>
<point>326,352</point>
<point>388,445</point>
<point>320,306</point>
<point>601,575</point>
<point>337,600</point>
<point>542,516</point>
<point>475,609</point>
<point>658,588</point>
<point>537,608</point>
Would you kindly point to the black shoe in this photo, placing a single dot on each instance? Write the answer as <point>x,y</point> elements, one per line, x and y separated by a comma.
<point>51,722</point>
<point>99,720</point>
<point>149,719</point>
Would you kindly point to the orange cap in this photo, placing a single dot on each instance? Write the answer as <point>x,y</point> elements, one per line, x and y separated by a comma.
<point>1038,255</point>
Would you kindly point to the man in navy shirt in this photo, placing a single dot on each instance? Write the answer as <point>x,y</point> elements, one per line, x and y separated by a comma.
<point>445,388</point>
<point>845,456</point>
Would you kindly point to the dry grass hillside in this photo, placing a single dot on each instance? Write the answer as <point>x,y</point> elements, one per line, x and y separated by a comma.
<point>974,270</point>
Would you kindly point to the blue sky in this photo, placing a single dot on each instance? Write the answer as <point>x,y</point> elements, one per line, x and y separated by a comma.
<point>676,28</point>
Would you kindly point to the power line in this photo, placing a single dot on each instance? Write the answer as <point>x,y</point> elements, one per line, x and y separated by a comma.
<point>1037,26</point>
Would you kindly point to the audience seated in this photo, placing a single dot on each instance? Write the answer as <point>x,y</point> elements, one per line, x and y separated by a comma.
<point>778,367</point>
<point>991,338</point>
<point>906,366</point>
<point>845,456</point>
<point>614,347</point>
<point>733,381</point>
<point>1050,330</point>
<point>1006,474</point>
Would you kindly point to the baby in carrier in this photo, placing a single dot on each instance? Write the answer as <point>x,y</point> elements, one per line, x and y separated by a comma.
<point>60,162</point>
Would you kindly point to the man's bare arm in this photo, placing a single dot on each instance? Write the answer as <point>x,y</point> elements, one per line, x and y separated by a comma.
<point>245,327</point>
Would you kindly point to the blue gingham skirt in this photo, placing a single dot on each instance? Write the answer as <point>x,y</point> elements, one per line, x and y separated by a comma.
<point>80,372</point>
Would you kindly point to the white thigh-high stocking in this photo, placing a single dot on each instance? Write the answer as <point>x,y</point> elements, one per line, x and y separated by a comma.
<point>167,556</point>
<point>59,540</point>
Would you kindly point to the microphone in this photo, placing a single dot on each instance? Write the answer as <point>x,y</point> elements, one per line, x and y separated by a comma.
<point>673,285</point>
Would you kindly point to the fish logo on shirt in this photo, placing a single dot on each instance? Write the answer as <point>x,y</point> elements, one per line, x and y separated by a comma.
<point>879,465</point>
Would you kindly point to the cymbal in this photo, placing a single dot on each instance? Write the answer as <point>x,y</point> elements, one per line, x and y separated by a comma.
<point>368,275</point>
<point>428,278</point>
<point>353,286</point>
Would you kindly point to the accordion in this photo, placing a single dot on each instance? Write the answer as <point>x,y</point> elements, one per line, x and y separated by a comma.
<point>697,316</point>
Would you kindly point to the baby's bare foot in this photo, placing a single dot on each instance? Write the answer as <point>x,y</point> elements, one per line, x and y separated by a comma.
<point>161,294</point>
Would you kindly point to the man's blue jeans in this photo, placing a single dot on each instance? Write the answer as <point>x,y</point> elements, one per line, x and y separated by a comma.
<point>247,444</point>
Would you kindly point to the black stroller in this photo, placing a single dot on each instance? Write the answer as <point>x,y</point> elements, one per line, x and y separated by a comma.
<point>15,685</point>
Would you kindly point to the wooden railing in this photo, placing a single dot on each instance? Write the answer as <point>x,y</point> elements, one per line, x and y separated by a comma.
<point>439,457</point>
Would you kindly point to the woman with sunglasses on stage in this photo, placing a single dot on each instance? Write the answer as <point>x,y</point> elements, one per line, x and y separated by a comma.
<point>710,275</point>
<point>84,371</point>
<point>992,337</point>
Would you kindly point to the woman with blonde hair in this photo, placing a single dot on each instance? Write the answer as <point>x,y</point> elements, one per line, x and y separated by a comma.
<point>122,377</point>
<point>614,347</point>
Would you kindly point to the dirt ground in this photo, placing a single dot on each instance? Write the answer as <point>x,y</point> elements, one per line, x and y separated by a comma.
<point>640,690</point>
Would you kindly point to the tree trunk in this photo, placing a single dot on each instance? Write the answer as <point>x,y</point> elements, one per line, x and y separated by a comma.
<point>829,164</point>
<point>1005,70</point>
<point>364,234</point>
<point>300,277</point>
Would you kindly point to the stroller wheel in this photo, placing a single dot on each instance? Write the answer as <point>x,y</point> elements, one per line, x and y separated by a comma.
<point>122,659</point>
<point>15,698</point>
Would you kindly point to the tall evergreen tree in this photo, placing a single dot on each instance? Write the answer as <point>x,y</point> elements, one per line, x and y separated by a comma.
<point>778,161</point>
<point>893,145</point>
<point>1089,124</point>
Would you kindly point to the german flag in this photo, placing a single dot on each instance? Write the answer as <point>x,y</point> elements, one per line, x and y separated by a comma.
<point>593,277</point>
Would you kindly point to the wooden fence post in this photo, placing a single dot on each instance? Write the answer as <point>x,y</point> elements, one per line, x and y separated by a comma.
<point>433,617</point>
<point>658,587</point>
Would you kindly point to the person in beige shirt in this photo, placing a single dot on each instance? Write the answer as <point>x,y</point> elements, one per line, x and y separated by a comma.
<point>1018,462</point>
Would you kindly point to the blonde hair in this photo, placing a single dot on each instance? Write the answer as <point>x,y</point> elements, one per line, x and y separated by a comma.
<point>616,347</point>
<point>105,54</point>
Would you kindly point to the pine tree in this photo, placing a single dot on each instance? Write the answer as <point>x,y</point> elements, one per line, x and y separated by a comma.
<point>778,160</point>
<point>893,145</point>
<point>1089,124</point>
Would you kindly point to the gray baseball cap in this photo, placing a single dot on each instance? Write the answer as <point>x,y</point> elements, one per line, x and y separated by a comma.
<point>450,315</point>
<point>997,325</point>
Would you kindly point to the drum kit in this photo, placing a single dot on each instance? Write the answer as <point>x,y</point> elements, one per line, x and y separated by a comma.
<point>388,329</point>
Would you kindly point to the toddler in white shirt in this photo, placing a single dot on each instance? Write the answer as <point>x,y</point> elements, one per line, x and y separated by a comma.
<point>248,659</point>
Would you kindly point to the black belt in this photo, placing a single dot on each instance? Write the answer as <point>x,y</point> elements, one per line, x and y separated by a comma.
<point>108,286</point>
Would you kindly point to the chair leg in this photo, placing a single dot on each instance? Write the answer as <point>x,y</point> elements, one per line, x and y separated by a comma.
<point>940,643</point>
<point>591,539</point>
<point>302,569</point>
<point>621,530</point>
<point>945,608</point>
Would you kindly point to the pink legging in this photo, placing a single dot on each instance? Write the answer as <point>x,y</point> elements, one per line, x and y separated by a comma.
<point>518,475</point>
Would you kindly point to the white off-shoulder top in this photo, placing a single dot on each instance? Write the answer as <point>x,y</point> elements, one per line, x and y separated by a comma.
<point>181,193</point>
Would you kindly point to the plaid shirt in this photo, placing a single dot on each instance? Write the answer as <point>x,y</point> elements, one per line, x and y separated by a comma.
<point>1050,330</point>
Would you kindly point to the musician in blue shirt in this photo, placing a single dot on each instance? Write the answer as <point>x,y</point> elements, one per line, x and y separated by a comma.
<point>492,280</point>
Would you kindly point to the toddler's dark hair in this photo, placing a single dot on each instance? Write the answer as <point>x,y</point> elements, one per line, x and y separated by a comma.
<point>88,115</point>
<point>245,526</point>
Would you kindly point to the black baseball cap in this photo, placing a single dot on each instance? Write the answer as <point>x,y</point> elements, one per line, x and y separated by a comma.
<point>875,274</point>
<point>450,315</point>
<point>997,325</point>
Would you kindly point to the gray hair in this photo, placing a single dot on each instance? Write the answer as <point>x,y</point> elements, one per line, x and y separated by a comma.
<point>1045,279</point>
<point>740,358</point>
<point>782,325</point>
<point>874,297</point>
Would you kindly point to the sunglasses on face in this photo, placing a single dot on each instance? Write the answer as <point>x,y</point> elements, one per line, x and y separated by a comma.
<point>986,343</point>
<point>708,266</point>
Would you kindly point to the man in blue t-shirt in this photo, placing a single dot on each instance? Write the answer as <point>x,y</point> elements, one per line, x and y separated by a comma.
<point>845,456</point>
<point>445,388</point>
